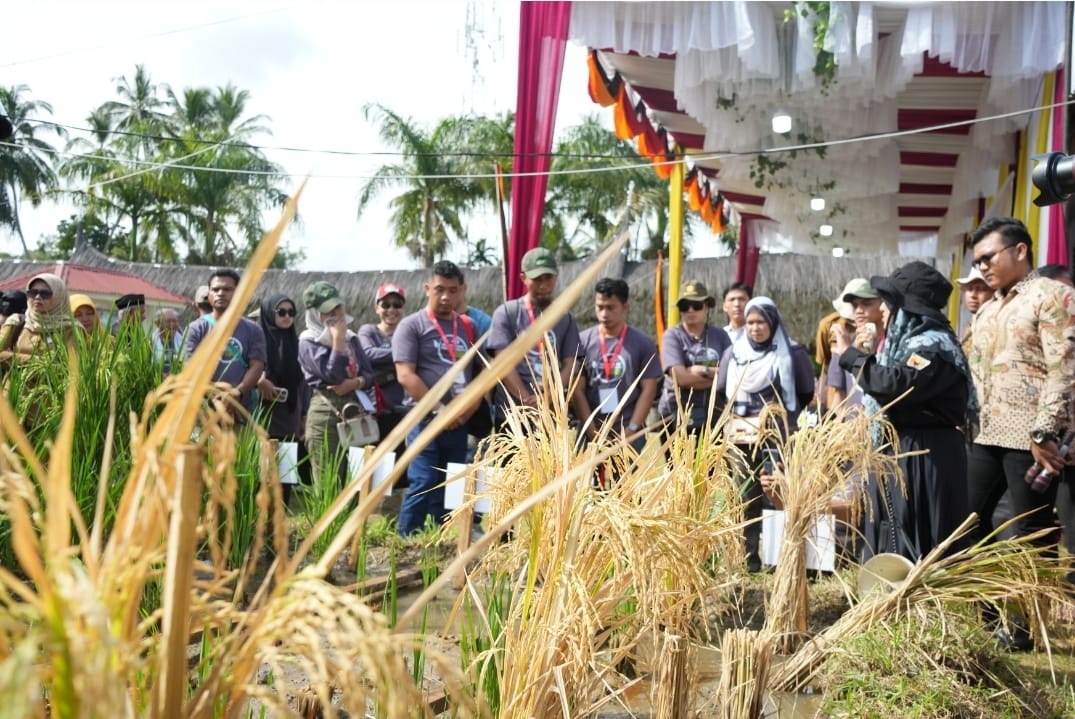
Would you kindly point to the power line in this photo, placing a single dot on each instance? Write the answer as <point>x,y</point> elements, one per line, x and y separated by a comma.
<point>697,157</point>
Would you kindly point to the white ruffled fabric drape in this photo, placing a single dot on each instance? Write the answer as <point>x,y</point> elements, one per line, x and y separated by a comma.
<point>744,52</point>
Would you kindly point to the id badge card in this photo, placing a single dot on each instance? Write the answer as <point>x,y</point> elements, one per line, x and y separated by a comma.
<point>609,398</point>
<point>459,384</point>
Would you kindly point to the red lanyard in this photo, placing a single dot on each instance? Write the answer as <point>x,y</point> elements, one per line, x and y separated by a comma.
<point>530,311</point>
<point>610,362</point>
<point>448,346</point>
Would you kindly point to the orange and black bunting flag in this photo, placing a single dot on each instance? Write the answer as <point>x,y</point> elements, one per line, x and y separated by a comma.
<point>625,116</point>
<point>601,89</point>
<point>720,222</point>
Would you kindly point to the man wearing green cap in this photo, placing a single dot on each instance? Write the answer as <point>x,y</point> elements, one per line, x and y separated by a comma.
<point>866,308</point>
<point>522,385</point>
<point>243,359</point>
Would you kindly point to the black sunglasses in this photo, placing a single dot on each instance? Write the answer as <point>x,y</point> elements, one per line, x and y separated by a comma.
<point>285,312</point>
<point>45,294</point>
<point>392,305</point>
<point>693,306</point>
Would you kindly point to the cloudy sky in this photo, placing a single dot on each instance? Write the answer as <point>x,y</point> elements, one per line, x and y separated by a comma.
<point>309,66</point>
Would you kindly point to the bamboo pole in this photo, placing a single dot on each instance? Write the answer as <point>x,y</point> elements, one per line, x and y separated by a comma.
<point>675,237</point>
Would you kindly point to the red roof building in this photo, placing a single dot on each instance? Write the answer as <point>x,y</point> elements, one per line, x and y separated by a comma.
<point>103,286</point>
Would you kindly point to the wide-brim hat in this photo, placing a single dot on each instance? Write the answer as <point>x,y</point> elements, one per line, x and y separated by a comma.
<point>916,288</point>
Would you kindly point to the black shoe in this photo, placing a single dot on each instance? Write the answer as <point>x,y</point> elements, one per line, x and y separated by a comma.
<point>1014,638</point>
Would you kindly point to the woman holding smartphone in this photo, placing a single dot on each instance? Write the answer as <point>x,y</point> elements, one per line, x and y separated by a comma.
<point>282,394</point>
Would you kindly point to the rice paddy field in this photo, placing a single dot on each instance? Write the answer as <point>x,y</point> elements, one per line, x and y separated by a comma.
<point>150,567</point>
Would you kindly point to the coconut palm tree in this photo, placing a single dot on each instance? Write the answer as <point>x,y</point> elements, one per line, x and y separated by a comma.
<point>26,164</point>
<point>584,200</point>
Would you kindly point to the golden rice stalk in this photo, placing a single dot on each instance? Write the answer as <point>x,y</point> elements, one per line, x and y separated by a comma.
<point>745,660</point>
<point>74,635</point>
<point>673,683</point>
<point>596,571</point>
<point>820,463</point>
<point>1013,571</point>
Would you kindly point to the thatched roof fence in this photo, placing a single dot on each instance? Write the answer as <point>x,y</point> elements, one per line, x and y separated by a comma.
<point>801,285</point>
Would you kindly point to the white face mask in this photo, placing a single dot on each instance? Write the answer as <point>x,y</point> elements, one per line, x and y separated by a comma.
<point>325,338</point>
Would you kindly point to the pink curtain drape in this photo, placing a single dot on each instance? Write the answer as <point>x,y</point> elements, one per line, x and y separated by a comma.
<point>543,28</point>
<point>1057,246</point>
<point>746,268</point>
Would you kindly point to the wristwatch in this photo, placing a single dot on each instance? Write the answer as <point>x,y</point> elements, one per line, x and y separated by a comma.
<point>1040,436</point>
<point>633,427</point>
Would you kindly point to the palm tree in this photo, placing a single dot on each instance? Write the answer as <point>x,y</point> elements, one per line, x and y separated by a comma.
<point>26,170</point>
<point>584,201</point>
<point>433,170</point>
<point>222,210</point>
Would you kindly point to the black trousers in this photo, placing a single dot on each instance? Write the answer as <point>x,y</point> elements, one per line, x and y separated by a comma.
<point>990,471</point>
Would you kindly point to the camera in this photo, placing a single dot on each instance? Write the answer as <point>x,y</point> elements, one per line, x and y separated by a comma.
<point>1054,176</point>
<point>12,302</point>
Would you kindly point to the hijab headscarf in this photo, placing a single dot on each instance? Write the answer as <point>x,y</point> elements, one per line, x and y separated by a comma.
<point>56,318</point>
<point>282,357</point>
<point>754,364</point>
<point>78,301</point>
<point>316,331</point>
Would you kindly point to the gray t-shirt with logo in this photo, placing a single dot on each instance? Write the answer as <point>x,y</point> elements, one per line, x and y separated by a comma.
<point>418,341</point>
<point>510,320</point>
<point>246,344</point>
<point>609,377</point>
<point>679,348</point>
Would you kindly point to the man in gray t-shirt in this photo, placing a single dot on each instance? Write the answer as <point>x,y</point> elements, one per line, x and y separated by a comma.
<point>523,384</point>
<point>614,356</point>
<point>424,347</point>
<point>243,360</point>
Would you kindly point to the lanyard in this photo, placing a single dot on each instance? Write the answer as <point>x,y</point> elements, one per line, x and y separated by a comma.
<point>448,346</point>
<point>610,362</point>
<point>530,311</point>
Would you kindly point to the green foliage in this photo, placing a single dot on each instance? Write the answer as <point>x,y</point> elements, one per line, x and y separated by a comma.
<point>584,201</point>
<point>825,61</point>
<point>187,212</point>
<point>481,641</point>
<point>26,171</point>
<point>931,664</point>
<point>433,176</point>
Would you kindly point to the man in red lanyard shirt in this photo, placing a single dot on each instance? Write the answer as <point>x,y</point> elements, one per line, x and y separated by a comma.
<point>425,346</point>
<point>614,355</point>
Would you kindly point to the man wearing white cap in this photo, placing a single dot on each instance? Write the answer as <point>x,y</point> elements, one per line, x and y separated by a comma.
<point>866,311</point>
<point>975,293</point>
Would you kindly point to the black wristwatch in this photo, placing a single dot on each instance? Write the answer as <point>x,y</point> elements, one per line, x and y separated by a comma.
<point>1040,436</point>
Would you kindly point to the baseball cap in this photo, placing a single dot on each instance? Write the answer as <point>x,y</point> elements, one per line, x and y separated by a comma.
<point>201,295</point>
<point>390,288</point>
<point>974,274</point>
<point>322,296</point>
<point>859,288</point>
<point>695,291</point>
<point>131,300</point>
<point>539,261</point>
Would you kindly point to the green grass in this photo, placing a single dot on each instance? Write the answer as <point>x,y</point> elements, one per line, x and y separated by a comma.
<point>926,665</point>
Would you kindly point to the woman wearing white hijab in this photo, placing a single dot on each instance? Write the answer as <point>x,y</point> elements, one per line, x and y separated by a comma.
<point>762,370</point>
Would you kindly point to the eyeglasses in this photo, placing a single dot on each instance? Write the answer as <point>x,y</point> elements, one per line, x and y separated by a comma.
<point>285,312</point>
<point>391,305</point>
<point>45,294</point>
<point>691,306</point>
<point>987,259</point>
